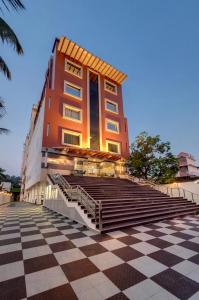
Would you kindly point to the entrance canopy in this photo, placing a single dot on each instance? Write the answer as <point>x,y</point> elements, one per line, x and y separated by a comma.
<point>80,152</point>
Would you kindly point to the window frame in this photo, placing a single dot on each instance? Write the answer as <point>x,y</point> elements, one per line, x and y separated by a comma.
<point>74,108</point>
<point>114,122</point>
<point>74,86</point>
<point>114,143</point>
<point>114,103</point>
<point>76,65</point>
<point>72,133</point>
<point>110,82</point>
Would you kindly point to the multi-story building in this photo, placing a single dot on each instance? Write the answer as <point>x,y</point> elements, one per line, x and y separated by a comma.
<point>78,125</point>
<point>187,166</point>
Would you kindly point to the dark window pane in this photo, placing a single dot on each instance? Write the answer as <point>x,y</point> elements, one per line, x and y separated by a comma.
<point>71,139</point>
<point>94,112</point>
<point>113,148</point>
<point>72,90</point>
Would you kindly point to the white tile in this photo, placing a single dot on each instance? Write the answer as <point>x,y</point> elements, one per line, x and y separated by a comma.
<point>195,240</point>
<point>10,248</point>
<point>166,230</point>
<point>180,251</point>
<point>185,267</point>
<point>68,256</point>
<point>117,234</point>
<point>11,270</point>
<point>143,236</point>
<point>10,228</point>
<point>194,275</point>
<point>44,224</point>
<point>144,248</point>
<point>90,232</point>
<point>9,236</point>
<point>97,285</point>
<point>190,232</point>
<point>172,239</point>
<point>69,231</point>
<point>142,228</point>
<point>106,260</point>
<point>90,293</point>
<point>143,290</point>
<point>33,237</point>
<point>84,241</point>
<point>161,224</point>
<point>47,230</point>
<point>112,244</point>
<point>47,279</point>
<point>36,251</point>
<point>29,229</point>
<point>195,296</point>
<point>56,239</point>
<point>164,295</point>
<point>147,266</point>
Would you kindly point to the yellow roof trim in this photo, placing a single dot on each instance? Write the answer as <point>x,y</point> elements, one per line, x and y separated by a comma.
<point>85,57</point>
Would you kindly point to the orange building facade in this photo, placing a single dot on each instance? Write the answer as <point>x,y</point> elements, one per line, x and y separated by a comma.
<point>78,125</point>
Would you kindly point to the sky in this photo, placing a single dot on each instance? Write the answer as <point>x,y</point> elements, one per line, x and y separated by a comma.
<point>156,43</point>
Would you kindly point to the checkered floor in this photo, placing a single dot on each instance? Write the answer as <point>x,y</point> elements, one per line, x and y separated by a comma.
<point>44,255</point>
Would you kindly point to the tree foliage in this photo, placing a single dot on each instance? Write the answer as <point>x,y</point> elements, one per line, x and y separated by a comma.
<point>7,34</point>
<point>152,159</point>
<point>2,114</point>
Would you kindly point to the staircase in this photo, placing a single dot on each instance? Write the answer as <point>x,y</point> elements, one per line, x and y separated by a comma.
<point>113,203</point>
<point>125,203</point>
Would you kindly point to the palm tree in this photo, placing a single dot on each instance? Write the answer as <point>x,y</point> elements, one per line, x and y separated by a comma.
<point>2,114</point>
<point>7,34</point>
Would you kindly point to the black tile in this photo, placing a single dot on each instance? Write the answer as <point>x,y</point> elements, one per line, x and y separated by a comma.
<point>79,269</point>
<point>119,296</point>
<point>166,258</point>
<point>129,240</point>
<point>127,253</point>
<point>93,249</point>
<point>190,245</point>
<point>177,284</point>
<point>124,276</point>
<point>32,244</point>
<point>10,257</point>
<point>159,243</point>
<point>62,292</point>
<point>61,246</point>
<point>13,289</point>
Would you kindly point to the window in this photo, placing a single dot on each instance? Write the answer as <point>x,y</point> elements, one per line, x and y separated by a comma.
<point>112,126</point>
<point>113,147</point>
<point>49,102</point>
<point>71,138</point>
<point>48,129</point>
<point>72,90</point>
<point>111,106</point>
<point>73,68</point>
<point>72,113</point>
<point>110,87</point>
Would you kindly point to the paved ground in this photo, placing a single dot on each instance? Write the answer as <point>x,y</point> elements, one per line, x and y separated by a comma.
<point>46,256</point>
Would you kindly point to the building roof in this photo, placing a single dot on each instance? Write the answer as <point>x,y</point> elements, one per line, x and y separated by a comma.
<point>88,59</point>
<point>185,154</point>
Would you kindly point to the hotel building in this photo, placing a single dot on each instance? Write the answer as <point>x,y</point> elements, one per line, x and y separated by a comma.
<point>78,126</point>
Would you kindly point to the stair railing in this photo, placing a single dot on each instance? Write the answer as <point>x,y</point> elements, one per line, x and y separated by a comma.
<point>78,193</point>
<point>171,191</point>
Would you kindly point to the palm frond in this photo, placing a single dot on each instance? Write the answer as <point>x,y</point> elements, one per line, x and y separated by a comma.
<point>4,68</point>
<point>4,130</point>
<point>7,35</point>
<point>14,4</point>
<point>2,108</point>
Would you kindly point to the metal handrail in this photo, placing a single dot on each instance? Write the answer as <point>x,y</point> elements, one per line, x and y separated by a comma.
<point>77,192</point>
<point>184,193</point>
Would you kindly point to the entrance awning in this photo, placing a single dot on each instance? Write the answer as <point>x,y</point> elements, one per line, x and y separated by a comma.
<point>80,152</point>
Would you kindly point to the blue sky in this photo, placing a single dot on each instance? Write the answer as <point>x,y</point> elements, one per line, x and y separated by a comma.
<point>155,42</point>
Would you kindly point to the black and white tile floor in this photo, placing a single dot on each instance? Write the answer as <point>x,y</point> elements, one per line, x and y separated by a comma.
<point>44,255</point>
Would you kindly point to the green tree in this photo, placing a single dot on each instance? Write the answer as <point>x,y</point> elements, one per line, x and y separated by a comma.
<point>2,114</point>
<point>152,159</point>
<point>7,34</point>
<point>2,175</point>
